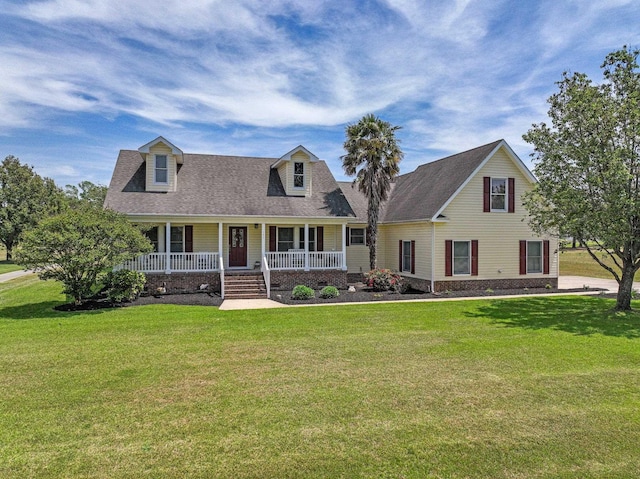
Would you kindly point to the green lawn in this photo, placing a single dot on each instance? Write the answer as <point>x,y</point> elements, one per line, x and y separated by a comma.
<point>531,387</point>
<point>6,266</point>
<point>577,262</point>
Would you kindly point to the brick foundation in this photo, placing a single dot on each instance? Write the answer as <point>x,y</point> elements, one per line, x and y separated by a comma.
<point>286,280</point>
<point>418,283</point>
<point>482,284</point>
<point>183,282</point>
<point>355,277</point>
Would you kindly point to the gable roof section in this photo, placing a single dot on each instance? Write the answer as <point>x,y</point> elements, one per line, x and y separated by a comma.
<point>424,193</point>
<point>174,149</point>
<point>214,185</point>
<point>287,156</point>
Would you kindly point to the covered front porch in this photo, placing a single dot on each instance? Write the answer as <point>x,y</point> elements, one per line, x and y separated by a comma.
<point>190,247</point>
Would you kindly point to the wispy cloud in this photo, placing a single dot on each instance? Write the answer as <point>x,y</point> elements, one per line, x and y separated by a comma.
<point>249,76</point>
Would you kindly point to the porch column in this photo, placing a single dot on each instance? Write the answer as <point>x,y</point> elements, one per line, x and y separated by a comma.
<point>344,247</point>
<point>264,242</point>
<point>220,226</point>
<point>306,246</point>
<point>167,247</point>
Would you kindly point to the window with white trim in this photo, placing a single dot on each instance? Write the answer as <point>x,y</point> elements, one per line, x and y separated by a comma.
<point>285,239</point>
<point>312,239</point>
<point>499,194</point>
<point>152,235</point>
<point>357,236</point>
<point>461,257</point>
<point>406,256</point>
<point>534,256</point>
<point>177,239</point>
<point>161,169</point>
<point>298,174</point>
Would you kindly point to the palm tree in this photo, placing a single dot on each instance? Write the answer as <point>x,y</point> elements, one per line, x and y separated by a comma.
<point>373,155</point>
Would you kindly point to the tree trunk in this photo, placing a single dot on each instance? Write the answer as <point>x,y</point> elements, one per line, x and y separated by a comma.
<point>9,254</point>
<point>625,288</point>
<point>373,246</point>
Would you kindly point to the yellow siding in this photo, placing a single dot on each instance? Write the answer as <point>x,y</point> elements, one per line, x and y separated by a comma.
<point>391,236</point>
<point>205,238</point>
<point>286,174</point>
<point>358,255</point>
<point>498,234</point>
<point>161,149</point>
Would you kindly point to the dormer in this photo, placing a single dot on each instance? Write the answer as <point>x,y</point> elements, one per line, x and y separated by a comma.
<point>162,159</point>
<point>296,171</point>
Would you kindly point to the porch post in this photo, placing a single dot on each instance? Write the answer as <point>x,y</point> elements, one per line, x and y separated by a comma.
<point>344,247</point>
<point>264,242</point>
<point>167,247</point>
<point>306,246</point>
<point>220,225</point>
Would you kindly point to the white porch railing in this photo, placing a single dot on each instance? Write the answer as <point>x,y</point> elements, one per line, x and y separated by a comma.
<point>221,278</point>
<point>178,262</point>
<point>266,273</point>
<point>295,260</point>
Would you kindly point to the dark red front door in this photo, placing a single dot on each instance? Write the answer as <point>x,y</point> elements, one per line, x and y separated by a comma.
<point>237,246</point>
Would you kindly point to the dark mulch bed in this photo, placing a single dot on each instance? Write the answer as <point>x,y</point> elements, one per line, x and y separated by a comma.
<point>190,299</point>
<point>361,295</point>
<point>367,295</point>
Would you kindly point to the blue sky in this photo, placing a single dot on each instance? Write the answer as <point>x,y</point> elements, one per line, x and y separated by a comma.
<point>80,80</point>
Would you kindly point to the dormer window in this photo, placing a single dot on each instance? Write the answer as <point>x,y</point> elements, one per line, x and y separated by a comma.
<point>298,174</point>
<point>161,169</point>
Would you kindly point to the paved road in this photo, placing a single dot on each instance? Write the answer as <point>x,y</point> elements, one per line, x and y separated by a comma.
<point>4,277</point>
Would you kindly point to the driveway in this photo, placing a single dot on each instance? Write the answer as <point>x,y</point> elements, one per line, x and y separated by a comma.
<point>4,277</point>
<point>571,282</point>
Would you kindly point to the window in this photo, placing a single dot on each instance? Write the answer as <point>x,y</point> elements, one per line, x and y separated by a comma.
<point>162,172</point>
<point>406,256</point>
<point>285,239</point>
<point>498,194</point>
<point>152,234</point>
<point>461,257</point>
<point>357,236</point>
<point>177,239</point>
<point>312,239</point>
<point>298,175</point>
<point>534,256</point>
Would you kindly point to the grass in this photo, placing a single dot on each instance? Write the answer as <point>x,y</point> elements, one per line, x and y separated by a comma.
<point>527,387</point>
<point>6,266</point>
<point>577,262</point>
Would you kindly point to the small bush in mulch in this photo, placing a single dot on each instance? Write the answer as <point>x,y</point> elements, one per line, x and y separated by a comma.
<point>187,299</point>
<point>302,292</point>
<point>329,292</point>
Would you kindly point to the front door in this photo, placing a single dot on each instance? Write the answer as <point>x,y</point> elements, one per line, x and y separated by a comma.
<point>237,246</point>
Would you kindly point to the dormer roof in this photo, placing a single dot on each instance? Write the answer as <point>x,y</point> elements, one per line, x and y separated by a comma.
<point>174,149</point>
<point>287,156</point>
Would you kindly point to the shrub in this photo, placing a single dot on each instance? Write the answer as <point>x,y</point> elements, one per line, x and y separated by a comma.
<point>329,292</point>
<point>124,285</point>
<point>303,292</point>
<point>383,280</point>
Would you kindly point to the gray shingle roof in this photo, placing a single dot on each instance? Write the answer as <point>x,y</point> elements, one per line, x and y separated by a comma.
<point>223,185</point>
<point>420,194</point>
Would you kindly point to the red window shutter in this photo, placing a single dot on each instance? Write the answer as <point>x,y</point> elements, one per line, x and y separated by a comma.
<point>319,238</point>
<point>348,233</point>
<point>399,255</point>
<point>366,236</point>
<point>523,257</point>
<point>272,238</point>
<point>512,195</point>
<point>545,257</point>
<point>188,238</point>
<point>413,257</point>
<point>486,204</point>
<point>474,257</point>
<point>448,253</point>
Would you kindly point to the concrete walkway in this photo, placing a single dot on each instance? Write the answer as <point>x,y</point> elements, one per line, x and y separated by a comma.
<point>235,304</point>
<point>4,277</point>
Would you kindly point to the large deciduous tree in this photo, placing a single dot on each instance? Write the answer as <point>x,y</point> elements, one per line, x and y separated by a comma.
<point>588,166</point>
<point>78,245</point>
<point>373,156</point>
<point>86,193</point>
<point>25,199</point>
